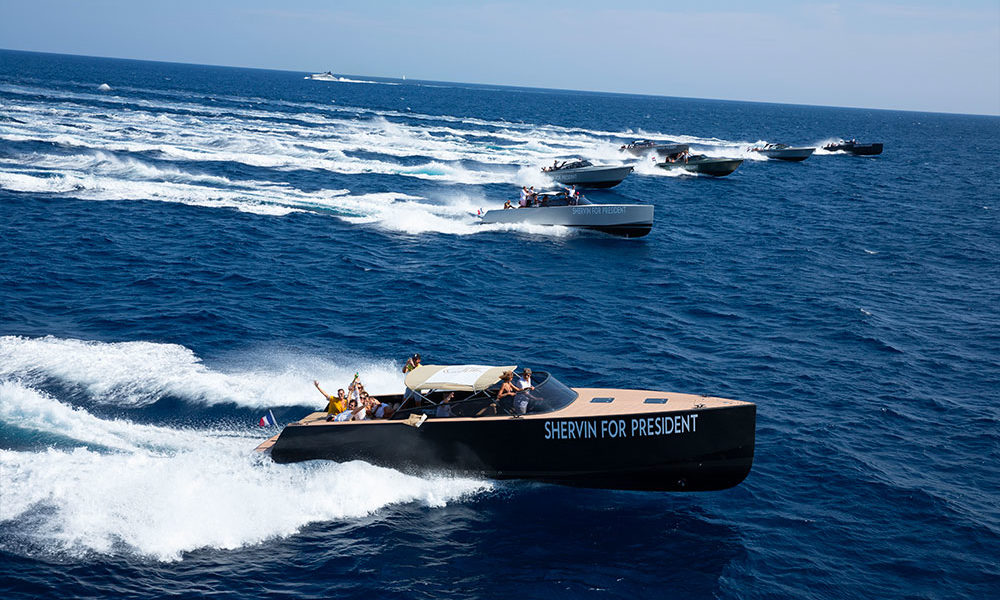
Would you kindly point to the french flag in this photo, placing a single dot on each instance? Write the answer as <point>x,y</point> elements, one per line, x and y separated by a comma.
<point>267,420</point>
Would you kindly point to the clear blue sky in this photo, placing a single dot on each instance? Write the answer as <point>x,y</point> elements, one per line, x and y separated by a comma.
<point>914,55</point>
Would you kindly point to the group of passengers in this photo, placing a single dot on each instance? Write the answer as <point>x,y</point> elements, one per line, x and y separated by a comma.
<point>356,405</point>
<point>676,158</point>
<point>518,393</point>
<point>530,198</point>
<point>556,165</point>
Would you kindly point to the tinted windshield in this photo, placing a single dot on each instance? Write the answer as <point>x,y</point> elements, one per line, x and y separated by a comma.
<point>549,394</point>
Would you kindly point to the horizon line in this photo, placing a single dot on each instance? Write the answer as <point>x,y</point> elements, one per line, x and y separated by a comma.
<point>523,87</point>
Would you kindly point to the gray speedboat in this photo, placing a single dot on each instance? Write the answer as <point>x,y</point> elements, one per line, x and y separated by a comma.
<point>644,147</point>
<point>699,163</point>
<point>784,152</point>
<point>553,207</point>
<point>583,173</point>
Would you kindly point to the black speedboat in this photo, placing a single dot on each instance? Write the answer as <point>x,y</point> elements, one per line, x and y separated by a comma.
<point>853,147</point>
<point>588,437</point>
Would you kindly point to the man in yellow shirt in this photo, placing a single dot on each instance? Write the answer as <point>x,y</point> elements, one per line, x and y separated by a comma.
<point>335,404</point>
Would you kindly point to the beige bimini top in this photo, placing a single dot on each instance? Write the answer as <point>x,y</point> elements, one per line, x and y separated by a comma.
<point>457,378</point>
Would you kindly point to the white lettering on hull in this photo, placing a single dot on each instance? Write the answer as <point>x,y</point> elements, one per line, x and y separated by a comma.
<point>621,428</point>
<point>598,210</point>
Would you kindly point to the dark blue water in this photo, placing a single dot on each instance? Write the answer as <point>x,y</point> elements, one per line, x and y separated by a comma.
<point>196,245</point>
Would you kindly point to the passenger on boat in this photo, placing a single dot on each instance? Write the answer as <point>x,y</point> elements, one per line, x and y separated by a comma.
<point>444,409</point>
<point>507,205</point>
<point>354,390</point>
<point>524,382</point>
<point>523,397</point>
<point>523,201</point>
<point>507,388</point>
<point>334,404</point>
<point>381,410</point>
<point>411,363</point>
<point>349,413</point>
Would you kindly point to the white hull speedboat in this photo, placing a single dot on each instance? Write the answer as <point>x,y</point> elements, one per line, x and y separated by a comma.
<point>583,173</point>
<point>328,76</point>
<point>628,220</point>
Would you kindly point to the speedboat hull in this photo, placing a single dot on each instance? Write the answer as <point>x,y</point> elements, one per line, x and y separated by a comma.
<point>717,167</point>
<point>591,177</point>
<point>788,154</point>
<point>629,220</point>
<point>616,439</point>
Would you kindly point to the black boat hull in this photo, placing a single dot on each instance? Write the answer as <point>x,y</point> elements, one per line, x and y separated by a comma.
<point>628,231</point>
<point>696,450</point>
<point>856,149</point>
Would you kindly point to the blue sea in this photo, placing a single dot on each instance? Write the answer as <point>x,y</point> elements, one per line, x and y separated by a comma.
<point>194,246</point>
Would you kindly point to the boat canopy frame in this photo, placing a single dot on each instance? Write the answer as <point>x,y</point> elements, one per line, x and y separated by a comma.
<point>549,395</point>
<point>455,378</point>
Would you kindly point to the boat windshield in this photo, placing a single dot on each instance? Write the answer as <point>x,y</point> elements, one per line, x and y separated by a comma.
<point>549,394</point>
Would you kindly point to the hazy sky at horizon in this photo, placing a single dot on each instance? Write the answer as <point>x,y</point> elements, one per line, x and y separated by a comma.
<point>914,56</point>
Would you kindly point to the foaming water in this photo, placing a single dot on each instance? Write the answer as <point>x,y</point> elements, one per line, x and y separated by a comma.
<point>175,491</point>
<point>139,373</point>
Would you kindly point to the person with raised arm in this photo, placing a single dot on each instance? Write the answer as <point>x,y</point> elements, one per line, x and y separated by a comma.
<point>335,404</point>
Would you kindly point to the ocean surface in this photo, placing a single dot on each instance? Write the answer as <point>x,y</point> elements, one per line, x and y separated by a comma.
<point>196,245</point>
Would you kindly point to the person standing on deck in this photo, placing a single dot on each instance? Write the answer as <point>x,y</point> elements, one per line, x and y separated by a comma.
<point>411,363</point>
<point>523,397</point>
